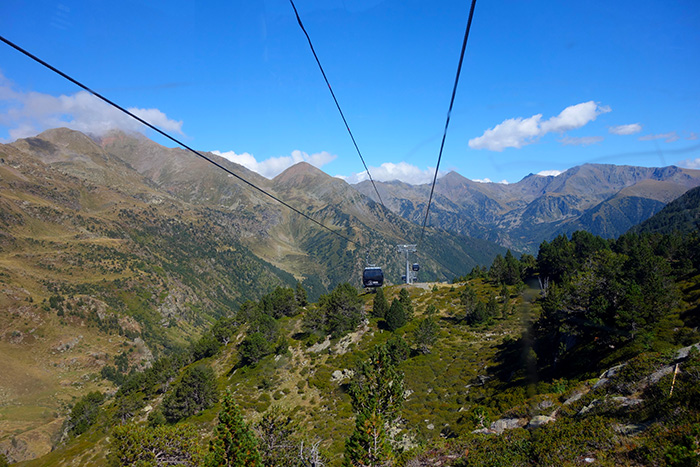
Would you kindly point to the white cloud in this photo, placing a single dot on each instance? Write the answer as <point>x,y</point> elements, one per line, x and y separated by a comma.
<point>274,166</point>
<point>630,129</point>
<point>693,136</point>
<point>689,163</point>
<point>518,132</point>
<point>550,173</point>
<point>574,116</point>
<point>667,137</point>
<point>580,141</point>
<point>26,114</point>
<point>488,180</point>
<point>512,133</point>
<point>402,171</point>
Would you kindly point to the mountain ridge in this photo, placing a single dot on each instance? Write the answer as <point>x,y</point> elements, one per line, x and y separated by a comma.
<point>604,199</point>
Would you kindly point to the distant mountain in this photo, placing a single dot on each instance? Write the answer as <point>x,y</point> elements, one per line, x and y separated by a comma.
<point>680,215</point>
<point>603,199</point>
<point>135,167</point>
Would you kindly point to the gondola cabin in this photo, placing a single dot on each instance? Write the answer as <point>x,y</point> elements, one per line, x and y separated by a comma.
<point>372,276</point>
<point>416,267</point>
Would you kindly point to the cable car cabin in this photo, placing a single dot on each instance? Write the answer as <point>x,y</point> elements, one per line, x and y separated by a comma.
<point>372,277</point>
<point>415,267</point>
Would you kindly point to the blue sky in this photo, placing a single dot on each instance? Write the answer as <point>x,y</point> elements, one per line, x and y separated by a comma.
<point>545,85</point>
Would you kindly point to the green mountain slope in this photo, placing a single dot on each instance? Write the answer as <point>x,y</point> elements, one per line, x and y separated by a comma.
<point>681,215</point>
<point>116,251</point>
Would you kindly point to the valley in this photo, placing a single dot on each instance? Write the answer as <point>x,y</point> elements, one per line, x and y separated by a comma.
<point>126,266</point>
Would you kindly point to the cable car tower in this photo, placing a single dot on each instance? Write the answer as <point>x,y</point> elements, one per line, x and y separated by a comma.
<point>409,270</point>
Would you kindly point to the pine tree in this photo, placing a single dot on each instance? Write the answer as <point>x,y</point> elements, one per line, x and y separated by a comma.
<point>135,444</point>
<point>195,392</point>
<point>300,295</point>
<point>396,316</point>
<point>426,334</point>
<point>368,446</point>
<point>234,444</point>
<point>405,299</point>
<point>376,392</point>
<point>380,305</point>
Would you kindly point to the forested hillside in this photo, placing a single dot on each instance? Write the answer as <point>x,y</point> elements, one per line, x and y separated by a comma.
<point>596,366</point>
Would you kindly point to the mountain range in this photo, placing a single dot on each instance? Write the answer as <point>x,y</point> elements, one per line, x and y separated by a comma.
<point>605,200</point>
<point>117,247</point>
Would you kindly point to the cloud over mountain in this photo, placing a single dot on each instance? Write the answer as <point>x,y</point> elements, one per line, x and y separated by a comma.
<point>29,113</point>
<point>402,171</point>
<point>518,132</point>
<point>274,166</point>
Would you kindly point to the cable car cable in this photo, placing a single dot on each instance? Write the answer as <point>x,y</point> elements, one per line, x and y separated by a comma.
<point>301,25</point>
<point>449,112</point>
<point>166,135</point>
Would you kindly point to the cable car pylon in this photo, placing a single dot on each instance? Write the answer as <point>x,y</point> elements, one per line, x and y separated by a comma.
<point>409,277</point>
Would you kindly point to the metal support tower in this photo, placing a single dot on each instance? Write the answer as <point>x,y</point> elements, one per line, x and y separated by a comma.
<point>407,249</point>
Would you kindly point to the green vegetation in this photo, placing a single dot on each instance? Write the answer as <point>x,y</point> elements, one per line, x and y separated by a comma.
<point>196,391</point>
<point>490,371</point>
<point>84,413</point>
<point>163,445</point>
<point>233,442</point>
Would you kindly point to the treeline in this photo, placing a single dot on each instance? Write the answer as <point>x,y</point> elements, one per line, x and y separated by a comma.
<point>611,297</point>
<point>187,384</point>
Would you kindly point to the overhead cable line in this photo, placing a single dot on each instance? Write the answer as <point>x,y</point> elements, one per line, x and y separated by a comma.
<point>449,111</point>
<point>171,138</point>
<point>301,25</point>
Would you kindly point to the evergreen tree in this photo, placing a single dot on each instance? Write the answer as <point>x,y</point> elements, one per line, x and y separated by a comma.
<point>301,296</point>
<point>276,432</point>
<point>497,272</point>
<point>407,304</point>
<point>511,273</point>
<point>84,413</point>
<point>380,306</point>
<point>469,301</point>
<point>280,302</point>
<point>376,392</point>
<point>377,385</point>
<point>505,293</point>
<point>492,306</point>
<point>234,444</point>
<point>161,445</point>
<point>195,392</point>
<point>396,316</point>
<point>398,349</point>
<point>426,334</point>
<point>343,309</point>
<point>368,446</point>
<point>253,348</point>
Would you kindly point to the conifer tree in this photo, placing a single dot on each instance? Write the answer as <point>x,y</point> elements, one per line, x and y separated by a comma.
<point>234,444</point>
<point>300,295</point>
<point>396,316</point>
<point>368,446</point>
<point>380,305</point>
<point>426,334</point>
<point>405,299</point>
<point>196,391</point>
<point>376,392</point>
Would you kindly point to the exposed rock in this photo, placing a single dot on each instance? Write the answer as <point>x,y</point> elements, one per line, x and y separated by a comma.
<point>574,397</point>
<point>321,346</point>
<point>609,373</point>
<point>631,429</point>
<point>339,376</point>
<point>499,426</point>
<point>540,420</point>
<point>685,351</point>
<point>626,401</point>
